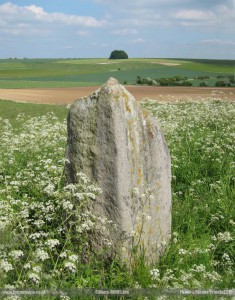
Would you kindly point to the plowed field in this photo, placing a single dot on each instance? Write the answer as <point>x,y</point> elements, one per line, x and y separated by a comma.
<point>68,95</point>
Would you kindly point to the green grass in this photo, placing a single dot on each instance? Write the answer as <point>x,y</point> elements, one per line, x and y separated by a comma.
<point>10,110</point>
<point>200,255</point>
<point>21,73</point>
<point>23,84</point>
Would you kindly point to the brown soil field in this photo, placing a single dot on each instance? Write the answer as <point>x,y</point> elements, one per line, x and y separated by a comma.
<point>68,95</point>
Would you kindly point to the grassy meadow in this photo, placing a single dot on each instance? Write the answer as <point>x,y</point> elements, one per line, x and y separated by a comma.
<point>30,73</point>
<point>44,234</point>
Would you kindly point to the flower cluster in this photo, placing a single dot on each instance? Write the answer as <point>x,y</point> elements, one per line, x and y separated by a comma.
<point>200,136</point>
<point>45,224</point>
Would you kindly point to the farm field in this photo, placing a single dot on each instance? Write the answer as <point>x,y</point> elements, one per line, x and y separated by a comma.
<point>39,250</point>
<point>68,95</point>
<point>45,73</point>
<point>38,247</point>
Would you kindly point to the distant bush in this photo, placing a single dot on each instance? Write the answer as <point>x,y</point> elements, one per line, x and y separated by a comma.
<point>146,81</point>
<point>204,83</point>
<point>138,80</point>
<point>171,81</point>
<point>222,83</point>
<point>221,76</point>
<point>186,83</point>
<point>174,81</point>
<point>231,79</point>
<point>118,54</point>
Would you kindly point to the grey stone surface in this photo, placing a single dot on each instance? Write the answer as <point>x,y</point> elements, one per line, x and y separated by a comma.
<point>121,148</point>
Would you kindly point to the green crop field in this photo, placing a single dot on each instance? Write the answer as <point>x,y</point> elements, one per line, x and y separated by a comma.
<point>27,73</point>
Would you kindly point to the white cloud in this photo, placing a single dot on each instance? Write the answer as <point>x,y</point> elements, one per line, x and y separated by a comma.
<point>64,18</point>
<point>220,18</point>
<point>226,14</point>
<point>194,15</point>
<point>38,11</point>
<point>13,15</point>
<point>141,3</point>
<point>138,41</point>
<point>124,31</point>
<point>143,25</point>
<point>217,42</point>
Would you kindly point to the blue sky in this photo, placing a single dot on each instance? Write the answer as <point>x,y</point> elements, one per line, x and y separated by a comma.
<point>93,28</point>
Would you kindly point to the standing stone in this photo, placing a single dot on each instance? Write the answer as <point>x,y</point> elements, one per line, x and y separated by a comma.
<point>121,148</point>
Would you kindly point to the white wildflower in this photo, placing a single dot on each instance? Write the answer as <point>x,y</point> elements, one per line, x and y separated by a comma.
<point>34,277</point>
<point>70,266</point>
<point>91,195</point>
<point>13,297</point>
<point>37,269</point>
<point>16,254</point>
<point>224,236</point>
<point>137,285</point>
<point>41,254</point>
<point>52,243</point>
<point>67,205</point>
<point>83,177</point>
<point>49,189</point>
<point>63,254</point>
<point>6,266</point>
<point>27,266</point>
<point>182,251</point>
<point>213,276</point>
<point>154,274</point>
<point>64,297</point>
<point>80,196</point>
<point>39,223</point>
<point>214,263</point>
<point>226,257</point>
<point>38,235</point>
<point>73,257</point>
<point>199,268</point>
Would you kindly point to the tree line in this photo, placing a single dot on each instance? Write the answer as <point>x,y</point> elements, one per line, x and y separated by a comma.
<point>228,80</point>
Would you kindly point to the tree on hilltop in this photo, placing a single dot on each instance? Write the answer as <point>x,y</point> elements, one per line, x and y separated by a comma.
<point>118,54</point>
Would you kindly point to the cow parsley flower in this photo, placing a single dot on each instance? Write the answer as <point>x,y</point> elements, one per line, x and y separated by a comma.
<point>224,236</point>
<point>49,189</point>
<point>39,223</point>
<point>52,243</point>
<point>34,277</point>
<point>41,254</point>
<point>182,251</point>
<point>37,269</point>
<point>73,257</point>
<point>154,274</point>
<point>67,205</point>
<point>6,266</point>
<point>70,266</point>
<point>27,266</point>
<point>16,254</point>
<point>63,254</point>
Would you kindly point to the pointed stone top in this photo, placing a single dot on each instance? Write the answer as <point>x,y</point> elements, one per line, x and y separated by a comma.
<point>116,91</point>
<point>112,81</point>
